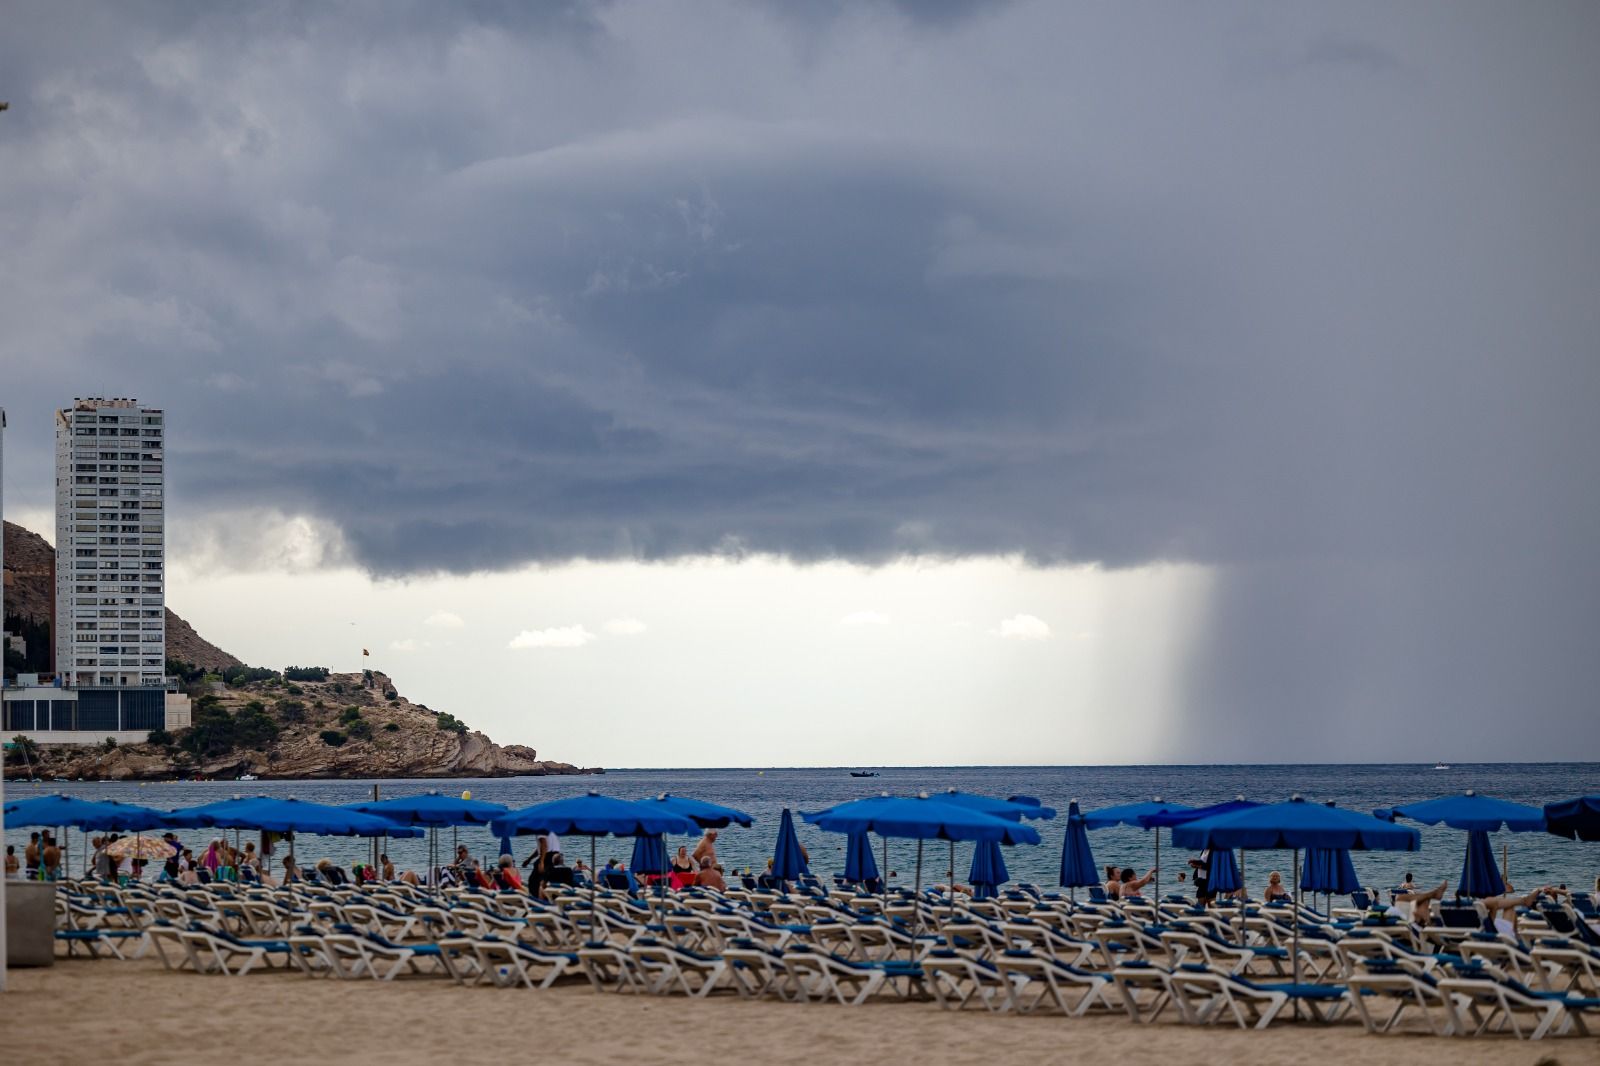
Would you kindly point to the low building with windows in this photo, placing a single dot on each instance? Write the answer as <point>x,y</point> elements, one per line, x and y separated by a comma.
<point>50,714</point>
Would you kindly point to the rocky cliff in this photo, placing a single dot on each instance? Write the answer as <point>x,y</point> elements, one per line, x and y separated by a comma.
<point>349,726</point>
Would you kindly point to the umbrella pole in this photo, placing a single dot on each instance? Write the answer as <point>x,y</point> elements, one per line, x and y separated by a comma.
<point>594,888</point>
<point>1158,873</point>
<point>1297,928</point>
<point>883,879</point>
<point>918,898</point>
<point>1245,899</point>
<point>952,882</point>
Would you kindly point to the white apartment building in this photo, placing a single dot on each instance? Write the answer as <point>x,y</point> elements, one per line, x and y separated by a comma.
<point>110,624</point>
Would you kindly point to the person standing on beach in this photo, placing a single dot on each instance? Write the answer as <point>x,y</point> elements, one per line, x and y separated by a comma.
<point>30,857</point>
<point>13,864</point>
<point>50,858</point>
<point>706,849</point>
<point>1202,878</point>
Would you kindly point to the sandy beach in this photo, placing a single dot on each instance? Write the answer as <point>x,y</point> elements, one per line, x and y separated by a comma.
<point>136,1012</point>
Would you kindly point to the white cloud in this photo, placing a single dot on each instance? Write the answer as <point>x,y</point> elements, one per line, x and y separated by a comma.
<point>624,627</point>
<point>554,637</point>
<point>865,618</point>
<point>409,644</point>
<point>444,620</point>
<point>1023,627</point>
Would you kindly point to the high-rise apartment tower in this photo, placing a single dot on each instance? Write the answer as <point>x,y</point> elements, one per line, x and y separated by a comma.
<point>110,624</point>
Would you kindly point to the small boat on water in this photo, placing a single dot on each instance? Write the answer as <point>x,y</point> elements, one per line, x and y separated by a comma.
<point>247,777</point>
<point>1441,766</point>
<point>863,773</point>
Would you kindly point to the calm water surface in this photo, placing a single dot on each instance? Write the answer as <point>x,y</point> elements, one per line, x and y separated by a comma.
<point>1534,857</point>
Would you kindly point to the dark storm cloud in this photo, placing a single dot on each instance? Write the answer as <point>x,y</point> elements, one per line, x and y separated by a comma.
<point>1303,294</point>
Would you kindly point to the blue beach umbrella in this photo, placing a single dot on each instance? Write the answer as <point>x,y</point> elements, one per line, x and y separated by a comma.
<point>1013,809</point>
<point>1480,878</point>
<point>593,816</point>
<point>649,855</point>
<point>918,818</point>
<point>286,816</point>
<point>1077,861</point>
<point>1296,825</point>
<point>1329,870</point>
<point>505,846</point>
<point>1575,819</point>
<point>83,814</point>
<point>859,865</point>
<point>705,815</point>
<point>1184,815</point>
<point>1475,814</point>
<point>86,815</point>
<point>788,861</point>
<point>988,869</point>
<point>431,809</point>
<point>1135,814</point>
<point>1223,874</point>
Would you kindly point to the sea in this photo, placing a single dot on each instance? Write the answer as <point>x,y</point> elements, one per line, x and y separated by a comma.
<point>1532,858</point>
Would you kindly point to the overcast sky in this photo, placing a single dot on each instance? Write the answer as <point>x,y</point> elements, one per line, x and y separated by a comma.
<point>848,383</point>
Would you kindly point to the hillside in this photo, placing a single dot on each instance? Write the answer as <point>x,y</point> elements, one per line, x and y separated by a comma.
<point>30,563</point>
<point>276,729</point>
<point>30,596</point>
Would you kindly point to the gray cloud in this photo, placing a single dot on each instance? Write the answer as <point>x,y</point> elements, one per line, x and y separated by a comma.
<point>1304,294</point>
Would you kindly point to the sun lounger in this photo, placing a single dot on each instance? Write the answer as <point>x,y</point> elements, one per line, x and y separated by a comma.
<point>1182,941</point>
<point>1415,990</point>
<point>668,967</point>
<point>506,963</point>
<point>958,978</point>
<point>1144,988</point>
<point>1481,1000</point>
<point>1203,994</point>
<point>820,976</point>
<point>1567,966</point>
<point>355,954</point>
<point>610,966</point>
<point>1036,979</point>
<point>96,942</point>
<point>218,951</point>
<point>755,970</point>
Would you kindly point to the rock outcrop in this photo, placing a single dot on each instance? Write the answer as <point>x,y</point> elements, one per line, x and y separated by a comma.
<point>396,738</point>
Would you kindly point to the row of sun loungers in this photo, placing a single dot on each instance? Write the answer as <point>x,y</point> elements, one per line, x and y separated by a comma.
<point>1027,952</point>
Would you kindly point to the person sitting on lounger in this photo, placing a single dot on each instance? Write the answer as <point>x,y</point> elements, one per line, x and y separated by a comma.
<point>709,877</point>
<point>558,874</point>
<point>505,876</point>
<point>1419,904</point>
<point>1503,908</point>
<point>1131,885</point>
<point>1275,889</point>
<point>1113,883</point>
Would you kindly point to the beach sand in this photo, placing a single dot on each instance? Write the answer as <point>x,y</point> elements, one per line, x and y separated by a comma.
<point>136,1012</point>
